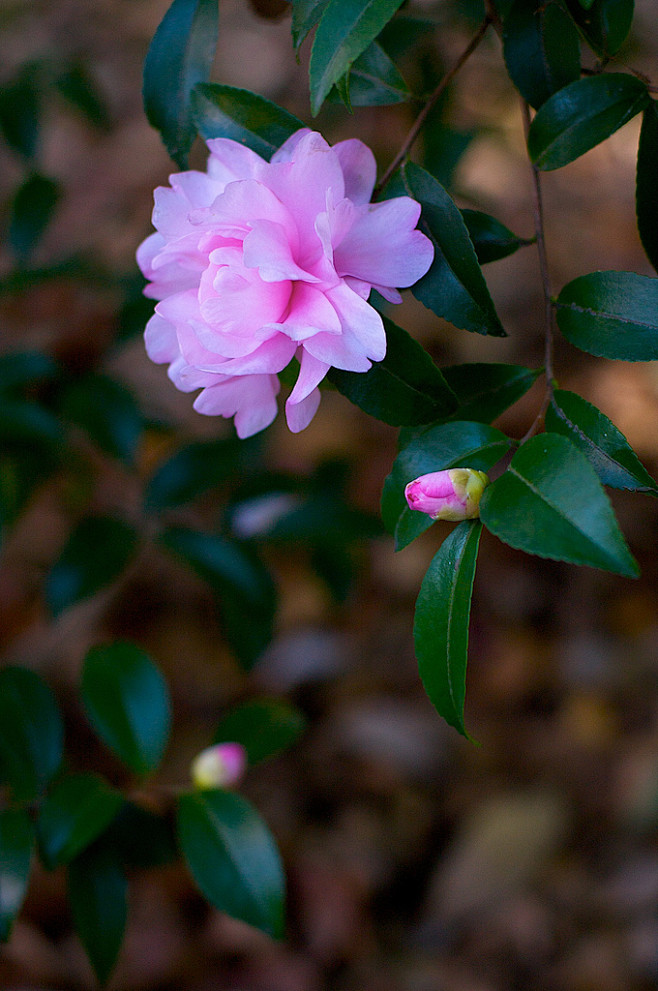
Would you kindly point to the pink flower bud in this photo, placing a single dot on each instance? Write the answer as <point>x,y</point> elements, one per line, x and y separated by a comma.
<point>220,766</point>
<point>453,494</point>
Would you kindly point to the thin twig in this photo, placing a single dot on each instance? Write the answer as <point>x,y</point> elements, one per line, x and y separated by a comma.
<point>431,103</point>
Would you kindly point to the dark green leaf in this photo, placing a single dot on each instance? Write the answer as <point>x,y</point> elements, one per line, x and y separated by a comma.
<point>180,56</point>
<point>242,584</point>
<point>604,23</point>
<point>486,391</point>
<point>21,369</point>
<point>542,49</point>
<point>96,553</point>
<point>19,112</point>
<point>78,88</point>
<point>345,30</point>
<point>402,33</point>
<point>305,15</point>
<point>31,732</point>
<point>448,445</point>
<point>264,727</point>
<point>550,502</point>
<point>582,115</point>
<point>406,388</point>
<point>441,622</point>
<point>375,80</point>
<point>233,858</point>
<point>107,411</point>
<point>97,890</point>
<point>76,811</point>
<point>611,315</point>
<point>454,288</point>
<point>31,210</point>
<point>646,192</point>
<point>23,422</point>
<point>491,239</point>
<point>227,112</point>
<point>16,841</point>
<point>197,467</point>
<point>606,448</point>
<point>127,702</point>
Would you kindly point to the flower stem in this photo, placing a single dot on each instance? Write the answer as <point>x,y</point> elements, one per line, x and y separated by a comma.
<point>431,103</point>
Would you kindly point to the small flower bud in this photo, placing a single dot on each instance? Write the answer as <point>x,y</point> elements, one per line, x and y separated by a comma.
<point>453,494</point>
<point>220,766</point>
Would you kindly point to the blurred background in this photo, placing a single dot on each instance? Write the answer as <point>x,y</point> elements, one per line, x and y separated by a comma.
<point>416,861</point>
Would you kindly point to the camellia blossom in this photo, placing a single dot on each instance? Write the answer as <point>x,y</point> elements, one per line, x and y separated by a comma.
<point>453,494</point>
<point>255,263</point>
<point>220,766</point>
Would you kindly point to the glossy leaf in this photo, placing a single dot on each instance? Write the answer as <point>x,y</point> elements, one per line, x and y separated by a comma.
<point>180,56</point>
<point>96,553</point>
<point>108,412</point>
<point>345,30</point>
<point>441,622</point>
<point>16,842</point>
<point>406,388</point>
<point>22,369</point>
<point>604,23</point>
<point>97,892</point>
<point>127,702</point>
<point>448,445</point>
<point>491,239</point>
<point>646,191</point>
<point>542,49</point>
<point>243,586</point>
<point>550,502</point>
<point>485,391</point>
<point>264,727</point>
<point>31,211</point>
<point>605,447</point>
<point>305,15</point>
<point>454,288</point>
<point>581,115</point>
<point>31,732</point>
<point>77,810</point>
<point>233,858</point>
<point>611,315</point>
<point>227,112</point>
<point>197,467</point>
<point>375,80</point>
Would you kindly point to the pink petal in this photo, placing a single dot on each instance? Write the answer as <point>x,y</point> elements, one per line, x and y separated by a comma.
<point>229,160</point>
<point>268,358</point>
<point>251,399</point>
<point>309,313</point>
<point>359,168</point>
<point>268,249</point>
<point>242,203</point>
<point>361,322</point>
<point>383,248</point>
<point>160,340</point>
<point>235,301</point>
<point>299,415</point>
<point>187,378</point>
<point>311,373</point>
<point>286,151</point>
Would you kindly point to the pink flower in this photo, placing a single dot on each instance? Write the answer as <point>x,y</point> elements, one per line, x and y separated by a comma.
<point>453,494</point>
<point>220,766</point>
<point>255,263</point>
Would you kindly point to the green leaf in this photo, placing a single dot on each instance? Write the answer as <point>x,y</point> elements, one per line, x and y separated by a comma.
<point>23,422</point>
<point>550,502</point>
<point>485,391</point>
<point>30,213</point>
<point>305,15</point>
<point>441,622</point>
<point>97,891</point>
<point>22,369</point>
<point>611,315</point>
<point>16,842</point>
<point>127,702</point>
<point>454,288</point>
<point>582,115</point>
<point>180,56</point>
<point>604,23</point>
<point>345,30</point>
<point>491,239</point>
<point>243,586</point>
<point>20,111</point>
<point>232,858</point>
<point>375,80</point>
<point>108,412</point>
<point>31,732</point>
<point>542,49</point>
<point>77,810</point>
<point>406,388</point>
<point>200,466</point>
<point>227,112</point>
<point>96,553</point>
<point>78,88</point>
<point>264,727</point>
<point>447,445</point>
<point>606,448</point>
<point>646,190</point>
